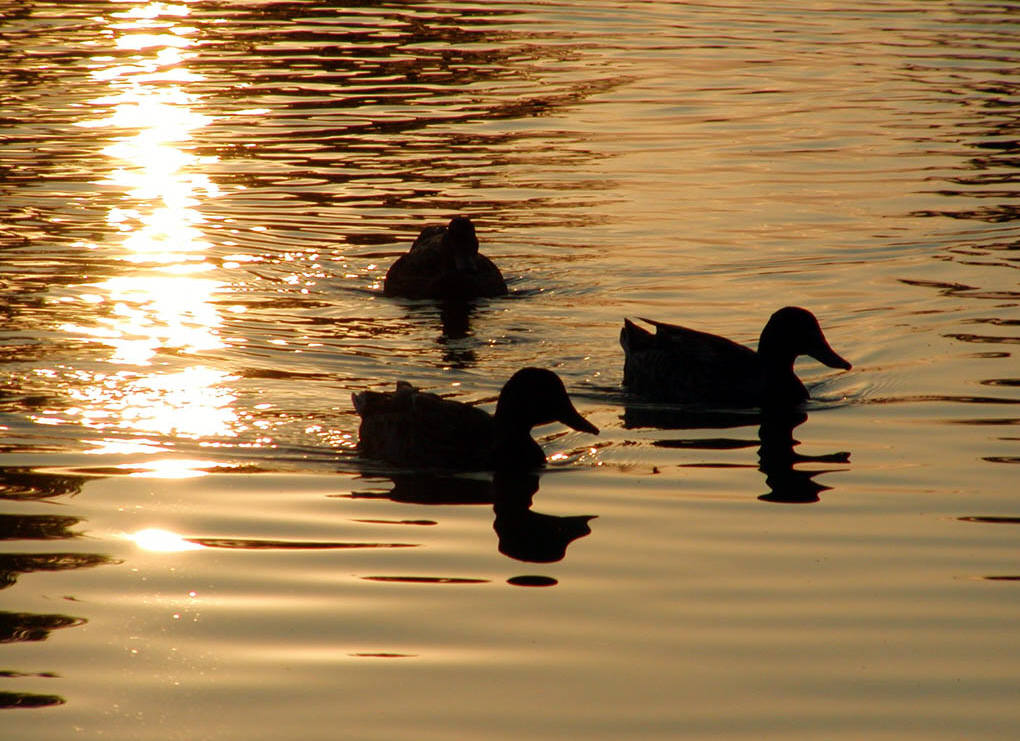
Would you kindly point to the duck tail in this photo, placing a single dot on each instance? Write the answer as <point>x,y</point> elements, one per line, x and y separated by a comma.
<point>633,337</point>
<point>374,402</point>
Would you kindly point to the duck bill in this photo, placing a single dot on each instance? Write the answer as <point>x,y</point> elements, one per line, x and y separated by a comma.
<point>573,418</point>
<point>825,354</point>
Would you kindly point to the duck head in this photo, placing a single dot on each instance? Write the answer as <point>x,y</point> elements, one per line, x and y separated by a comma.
<point>536,396</point>
<point>793,331</point>
<point>462,243</point>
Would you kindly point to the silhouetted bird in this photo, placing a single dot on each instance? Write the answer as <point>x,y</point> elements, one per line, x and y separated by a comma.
<point>677,364</point>
<point>414,428</point>
<point>444,263</point>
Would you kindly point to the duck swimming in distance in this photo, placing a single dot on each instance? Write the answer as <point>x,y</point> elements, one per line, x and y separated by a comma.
<point>444,263</point>
<point>677,364</point>
<point>409,427</point>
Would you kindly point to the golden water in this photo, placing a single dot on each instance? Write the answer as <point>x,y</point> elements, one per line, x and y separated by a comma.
<point>198,202</point>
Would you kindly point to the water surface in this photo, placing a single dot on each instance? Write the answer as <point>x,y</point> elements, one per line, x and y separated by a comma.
<point>198,203</point>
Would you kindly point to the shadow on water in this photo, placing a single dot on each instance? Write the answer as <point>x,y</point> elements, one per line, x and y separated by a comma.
<point>21,485</point>
<point>523,534</point>
<point>777,457</point>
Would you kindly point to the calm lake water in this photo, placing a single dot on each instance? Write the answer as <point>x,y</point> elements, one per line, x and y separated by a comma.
<point>198,202</point>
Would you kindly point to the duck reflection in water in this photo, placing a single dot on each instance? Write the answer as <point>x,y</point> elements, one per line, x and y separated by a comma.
<point>456,341</point>
<point>524,535</point>
<point>777,458</point>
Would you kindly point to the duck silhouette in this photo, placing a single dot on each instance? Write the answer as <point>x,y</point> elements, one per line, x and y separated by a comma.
<point>410,427</point>
<point>677,364</point>
<point>444,263</point>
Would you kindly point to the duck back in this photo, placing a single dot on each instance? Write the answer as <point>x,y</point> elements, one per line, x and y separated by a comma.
<point>416,428</point>
<point>677,364</point>
<point>431,269</point>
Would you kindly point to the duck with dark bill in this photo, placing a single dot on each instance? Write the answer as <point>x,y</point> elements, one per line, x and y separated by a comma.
<point>677,364</point>
<point>409,427</point>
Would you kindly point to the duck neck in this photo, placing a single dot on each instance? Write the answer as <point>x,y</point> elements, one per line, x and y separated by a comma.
<point>514,446</point>
<point>775,354</point>
<point>777,365</point>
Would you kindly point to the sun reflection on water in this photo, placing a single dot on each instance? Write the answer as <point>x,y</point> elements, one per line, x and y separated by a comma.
<point>155,539</point>
<point>188,403</point>
<point>160,314</point>
<point>145,314</point>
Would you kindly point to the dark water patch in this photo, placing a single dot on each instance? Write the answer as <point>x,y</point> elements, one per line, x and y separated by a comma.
<point>528,580</point>
<point>968,337</point>
<point>693,417</point>
<point>991,519</point>
<point>1002,459</point>
<point>426,579</point>
<point>938,398</point>
<point>1012,382</point>
<point>982,422</point>
<point>992,214</point>
<point>19,483</point>
<point>37,527</point>
<point>276,374</point>
<point>17,627</point>
<point>13,565</point>
<point>1007,577</point>
<point>988,355</point>
<point>716,443</point>
<point>12,700</point>
<point>258,544</point>
<point>382,655</point>
<point>962,289</point>
<point>434,489</point>
<point>996,321</point>
<point>398,522</point>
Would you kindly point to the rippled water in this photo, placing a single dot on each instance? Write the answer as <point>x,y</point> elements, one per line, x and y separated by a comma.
<point>198,201</point>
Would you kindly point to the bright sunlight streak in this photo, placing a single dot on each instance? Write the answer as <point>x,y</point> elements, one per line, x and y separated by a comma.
<point>154,539</point>
<point>162,308</point>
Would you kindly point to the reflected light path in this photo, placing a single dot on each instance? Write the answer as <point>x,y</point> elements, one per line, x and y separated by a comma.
<point>190,403</point>
<point>154,539</point>
<point>162,308</point>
